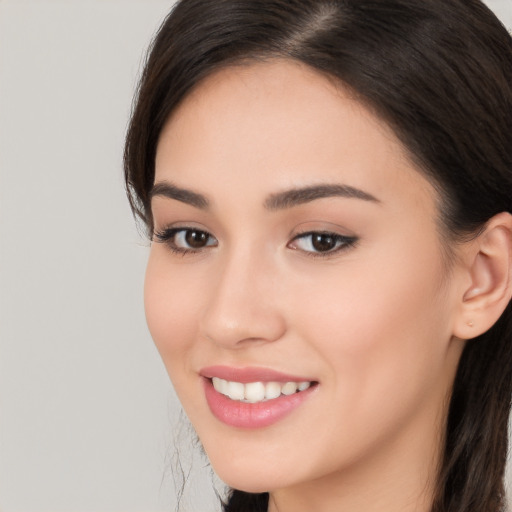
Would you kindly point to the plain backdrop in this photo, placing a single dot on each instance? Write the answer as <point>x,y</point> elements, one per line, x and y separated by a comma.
<point>87,414</point>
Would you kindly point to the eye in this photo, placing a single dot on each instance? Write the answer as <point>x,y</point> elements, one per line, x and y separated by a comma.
<point>185,240</point>
<point>320,243</point>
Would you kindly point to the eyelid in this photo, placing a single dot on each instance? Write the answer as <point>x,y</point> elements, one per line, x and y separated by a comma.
<point>171,228</point>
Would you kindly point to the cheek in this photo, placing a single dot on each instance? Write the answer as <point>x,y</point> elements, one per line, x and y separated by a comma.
<point>171,306</point>
<point>383,325</point>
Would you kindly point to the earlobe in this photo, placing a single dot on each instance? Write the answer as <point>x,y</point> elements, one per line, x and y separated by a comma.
<point>490,278</point>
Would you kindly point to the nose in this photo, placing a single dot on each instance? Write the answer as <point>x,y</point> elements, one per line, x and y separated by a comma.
<point>244,307</point>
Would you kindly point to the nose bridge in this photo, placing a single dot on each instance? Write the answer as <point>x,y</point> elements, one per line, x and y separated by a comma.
<point>243,305</point>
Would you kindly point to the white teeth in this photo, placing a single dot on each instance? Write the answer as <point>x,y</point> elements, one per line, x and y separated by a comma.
<point>254,392</point>
<point>220,385</point>
<point>303,386</point>
<point>272,390</point>
<point>289,388</point>
<point>236,390</point>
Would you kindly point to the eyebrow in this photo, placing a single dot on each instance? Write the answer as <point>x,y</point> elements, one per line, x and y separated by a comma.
<point>184,195</point>
<point>276,201</point>
<point>297,196</point>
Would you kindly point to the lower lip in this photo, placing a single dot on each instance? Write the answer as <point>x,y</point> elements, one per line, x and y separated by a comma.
<point>258,415</point>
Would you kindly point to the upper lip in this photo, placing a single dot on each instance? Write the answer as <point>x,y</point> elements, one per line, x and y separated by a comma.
<point>250,374</point>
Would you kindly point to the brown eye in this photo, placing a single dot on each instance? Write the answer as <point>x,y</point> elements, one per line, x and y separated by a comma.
<point>318,243</point>
<point>323,242</point>
<point>196,239</point>
<point>185,240</point>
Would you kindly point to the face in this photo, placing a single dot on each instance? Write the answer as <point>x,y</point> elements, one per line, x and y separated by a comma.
<point>296,287</point>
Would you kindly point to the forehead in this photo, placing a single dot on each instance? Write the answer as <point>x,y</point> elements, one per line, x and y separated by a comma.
<point>278,124</point>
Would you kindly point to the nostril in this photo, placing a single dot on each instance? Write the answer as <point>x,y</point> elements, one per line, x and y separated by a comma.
<point>254,326</point>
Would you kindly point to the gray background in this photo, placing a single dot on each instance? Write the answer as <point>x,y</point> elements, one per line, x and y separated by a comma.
<point>86,411</point>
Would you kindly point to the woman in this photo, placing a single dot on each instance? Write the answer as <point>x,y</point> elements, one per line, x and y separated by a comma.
<point>327,186</point>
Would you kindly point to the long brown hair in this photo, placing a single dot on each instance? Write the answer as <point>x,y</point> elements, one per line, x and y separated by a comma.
<point>439,72</point>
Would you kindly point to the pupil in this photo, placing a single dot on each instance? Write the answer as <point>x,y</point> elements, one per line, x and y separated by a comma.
<point>196,239</point>
<point>323,243</point>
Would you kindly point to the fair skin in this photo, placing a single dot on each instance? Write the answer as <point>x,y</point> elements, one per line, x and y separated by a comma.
<point>373,320</point>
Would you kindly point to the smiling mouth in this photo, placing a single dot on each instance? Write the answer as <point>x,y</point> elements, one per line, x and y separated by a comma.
<point>257,392</point>
<point>262,399</point>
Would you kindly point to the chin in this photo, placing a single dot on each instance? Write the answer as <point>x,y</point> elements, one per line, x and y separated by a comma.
<point>251,483</point>
<point>248,477</point>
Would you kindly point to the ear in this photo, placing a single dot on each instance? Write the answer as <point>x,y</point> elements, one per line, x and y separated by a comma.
<point>489,274</point>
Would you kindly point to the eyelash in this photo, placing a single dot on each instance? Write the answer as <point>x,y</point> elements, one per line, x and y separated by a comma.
<point>166,236</point>
<point>342,242</point>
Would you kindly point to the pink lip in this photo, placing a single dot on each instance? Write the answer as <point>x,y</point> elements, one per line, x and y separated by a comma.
<point>250,374</point>
<point>245,415</point>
